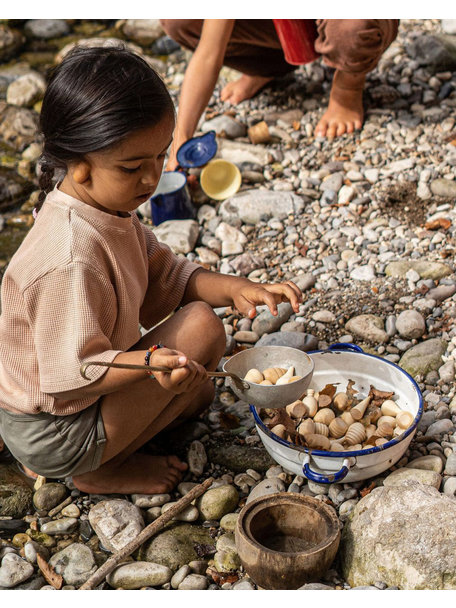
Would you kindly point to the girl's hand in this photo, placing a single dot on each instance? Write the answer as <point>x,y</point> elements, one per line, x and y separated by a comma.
<point>187,375</point>
<point>250,295</point>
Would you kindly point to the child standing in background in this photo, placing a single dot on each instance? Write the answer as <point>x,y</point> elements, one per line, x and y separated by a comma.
<point>89,273</point>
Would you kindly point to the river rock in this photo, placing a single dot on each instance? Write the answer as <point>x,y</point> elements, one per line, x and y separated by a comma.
<point>368,327</point>
<point>265,487</point>
<point>410,324</point>
<point>116,522</point>
<point>11,41</point>
<point>14,570</point>
<point>225,126</point>
<point>139,574</point>
<point>426,269</point>
<point>238,153</point>
<point>437,51</point>
<point>16,496</point>
<point>49,496</point>
<point>430,462</point>
<point>26,90</point>
<point>301,341</point>
<point>251,206</point>
<point>179,235</point>
<point>423,357</point>
<point>217,502</point>
<point>146,501</point>
<point>406,529</point>
<point>266,322</point>
<point>75,563</point>
<point>238,458</point>
<point>176,545</point>
<point>142,31</point>
<point>46,28</point>
<point>424,476</point>
<point>56,527</point>
<point>18,127</point>
<point>196,458</point>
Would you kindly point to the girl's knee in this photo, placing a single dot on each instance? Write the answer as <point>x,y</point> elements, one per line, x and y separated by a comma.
<point>208,327</point>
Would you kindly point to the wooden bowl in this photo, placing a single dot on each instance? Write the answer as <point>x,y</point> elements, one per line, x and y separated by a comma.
<point>285,540</point>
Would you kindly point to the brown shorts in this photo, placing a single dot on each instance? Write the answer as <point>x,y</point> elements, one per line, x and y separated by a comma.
<point>55,446</point>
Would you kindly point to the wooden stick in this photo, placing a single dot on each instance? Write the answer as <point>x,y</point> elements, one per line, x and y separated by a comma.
<point>145,534</point>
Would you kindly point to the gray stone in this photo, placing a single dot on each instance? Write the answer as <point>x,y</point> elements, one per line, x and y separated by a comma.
<point>146,501</point>
<point>139,574</point>
<point>449,486</point>
<point>424,357</point>
<point>251,206</point>
<point>194,582</point>
<point>190,513</point>
<point>11,40</point>
<point>14,570</point>
<point>142,31</point>
<point>46,28</point>
<point>450,466</point>
<point>179,576</point>
<point>116,522</point>
<point>426,269</point>
<point>75,563</point>
<point>18,127</point>
<point>407,530</point>
<point>399,477</point>
<point>179,235</point>
<point>302,341</point>
<point>439,427</point>
<point>410,324</point>
<point>368,327</point>
<point>435,51</point>
<point>265,487</point>
<point>196,458</point>
<point>363,273</point>
<point>225,126</point>
<point>429,462</point>
<point>26,90</point>
<point>64,525</point>
<point>266,322</point>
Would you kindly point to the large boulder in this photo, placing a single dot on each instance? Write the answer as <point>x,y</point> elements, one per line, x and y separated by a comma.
<point>402,535</point>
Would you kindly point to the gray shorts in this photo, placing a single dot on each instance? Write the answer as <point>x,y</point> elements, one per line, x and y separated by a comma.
<point>55,446</point>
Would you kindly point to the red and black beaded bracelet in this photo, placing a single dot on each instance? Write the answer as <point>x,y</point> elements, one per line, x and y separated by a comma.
<point>150,351</point>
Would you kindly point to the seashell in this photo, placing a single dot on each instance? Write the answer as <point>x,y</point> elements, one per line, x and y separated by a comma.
<point>341,401</point>
<point>347,418</point>
<point>273,373</point>
<point>311,403</point>
<point>390,408</point>
<point>384,429</point>
<point>266,383</point>
<point>324,415</point>
<point>338,427</point>
<point>279,430</point>
<point>357,446</point>
<point>307,427</point>
<point>321,429</point>
<point>397,431</point>
<point>284,379</point>
<point>254,375</point>
<point>335,446</point>
<point>297,409</point>
<point>318,442</point>
<point>388,419</point>
<point>324,401</point>
<point>356,433</point>
<point>358,410</point>
<point>404,419</point>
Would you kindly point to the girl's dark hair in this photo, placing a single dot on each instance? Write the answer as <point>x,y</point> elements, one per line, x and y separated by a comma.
<point>95,98</point>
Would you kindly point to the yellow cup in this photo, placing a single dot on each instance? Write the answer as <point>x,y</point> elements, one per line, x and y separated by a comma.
<point>220,179</point>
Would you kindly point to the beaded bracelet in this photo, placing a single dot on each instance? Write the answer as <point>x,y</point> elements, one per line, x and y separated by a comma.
<point>150,351</point>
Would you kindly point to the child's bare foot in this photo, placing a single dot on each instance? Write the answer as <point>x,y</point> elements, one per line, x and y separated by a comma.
<point>138,474</point>
<point>345,109</point>
<point>243,88</point>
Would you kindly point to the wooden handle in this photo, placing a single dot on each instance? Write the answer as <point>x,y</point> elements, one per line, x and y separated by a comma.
<point>145,534</point>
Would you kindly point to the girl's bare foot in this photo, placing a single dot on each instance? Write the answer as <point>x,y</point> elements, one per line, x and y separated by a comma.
<point>138,474</point>
<point>345,109</point>
<point>243,88</point>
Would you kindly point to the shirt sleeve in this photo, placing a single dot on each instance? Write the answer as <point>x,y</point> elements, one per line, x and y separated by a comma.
<point>168,275</point>
<point>71,312</point>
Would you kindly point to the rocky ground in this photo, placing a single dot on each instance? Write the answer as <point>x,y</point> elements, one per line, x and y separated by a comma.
<point>364,224</point>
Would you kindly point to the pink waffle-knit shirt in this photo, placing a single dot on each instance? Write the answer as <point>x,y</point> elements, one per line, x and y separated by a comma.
<point>77,289</point>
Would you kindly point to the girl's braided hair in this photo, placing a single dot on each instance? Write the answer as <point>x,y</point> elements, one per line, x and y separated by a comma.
<point>95,98</point>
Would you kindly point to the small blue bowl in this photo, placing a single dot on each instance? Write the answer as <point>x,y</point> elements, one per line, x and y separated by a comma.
<point>171,200</point>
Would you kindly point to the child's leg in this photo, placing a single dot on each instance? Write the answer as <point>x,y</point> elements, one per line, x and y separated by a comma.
<point>133,416</point>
